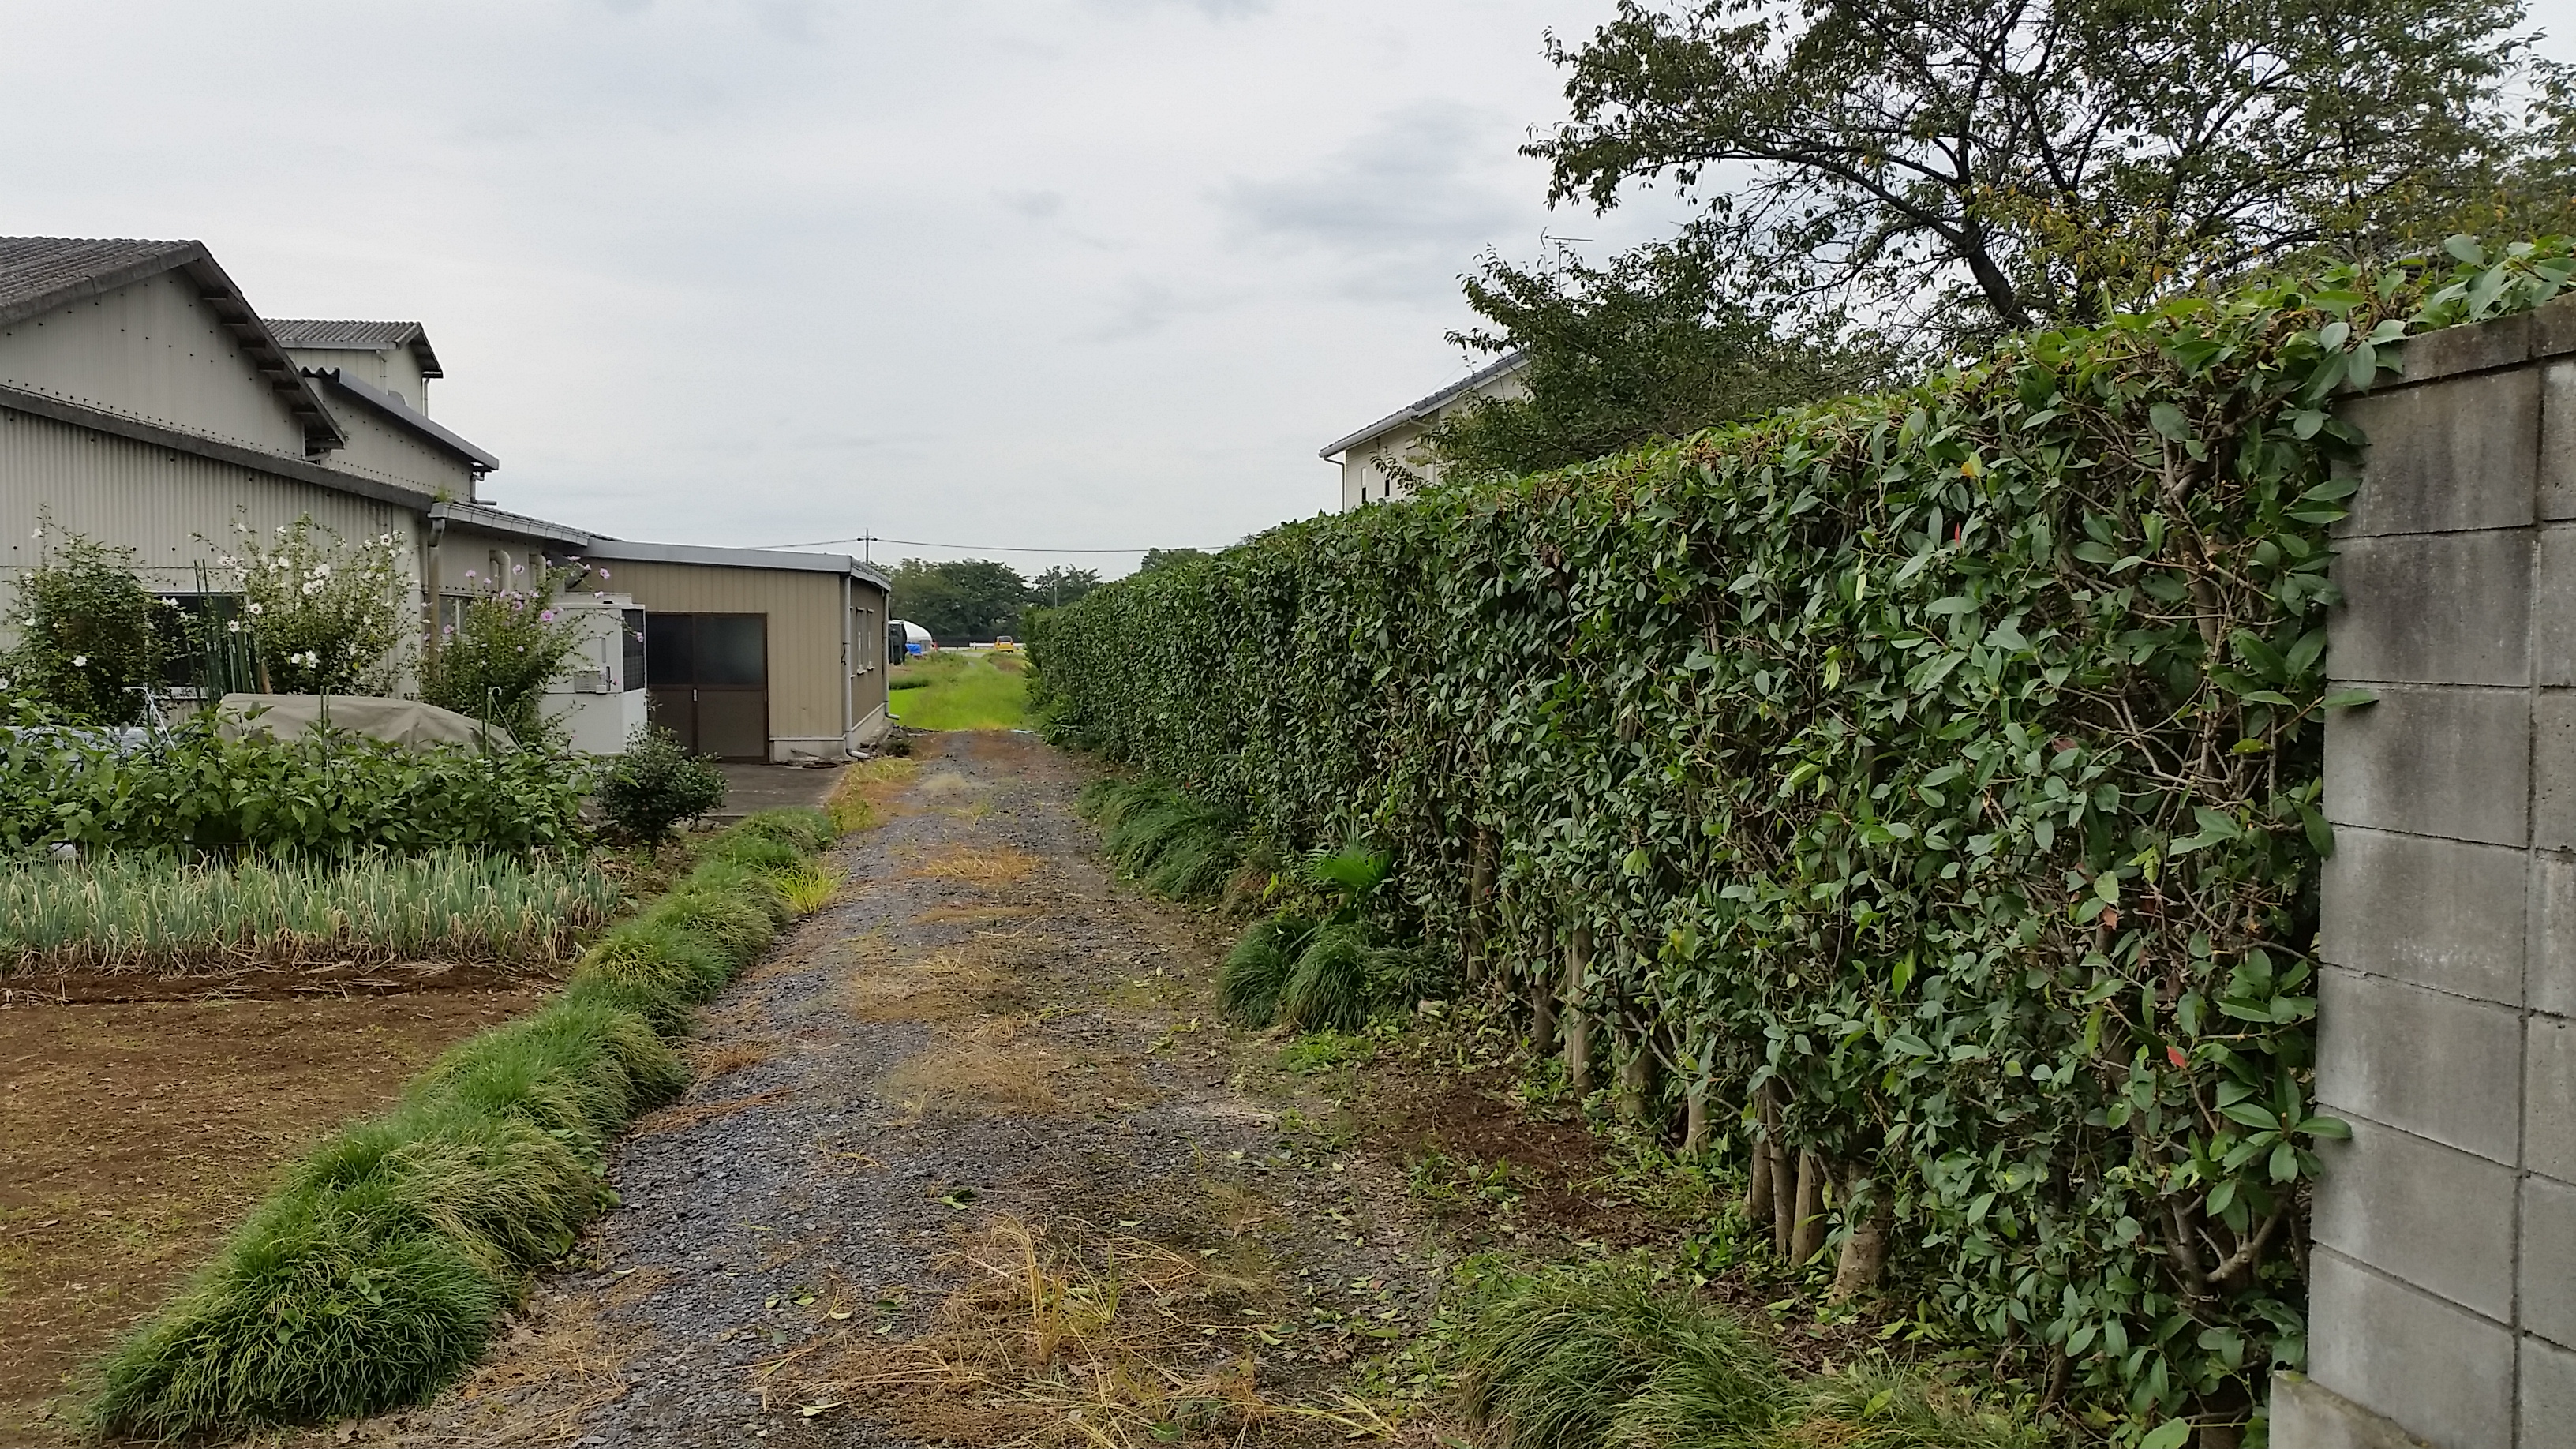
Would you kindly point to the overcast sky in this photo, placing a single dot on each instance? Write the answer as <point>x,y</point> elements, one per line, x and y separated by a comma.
<point>1048,273</point>
<point>1062,274</point>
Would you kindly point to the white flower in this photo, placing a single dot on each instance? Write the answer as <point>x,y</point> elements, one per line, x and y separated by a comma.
<point>39,533</point>
<point>254,608</point>
<point>232,626</point>
<point>80,661</point>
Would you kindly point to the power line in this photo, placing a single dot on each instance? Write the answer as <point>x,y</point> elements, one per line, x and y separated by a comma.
<point>962,547</point>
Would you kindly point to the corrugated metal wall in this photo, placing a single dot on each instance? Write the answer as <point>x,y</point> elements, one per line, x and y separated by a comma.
<point>804,609</point>
<point>152,350</point>
<point>173,509</point>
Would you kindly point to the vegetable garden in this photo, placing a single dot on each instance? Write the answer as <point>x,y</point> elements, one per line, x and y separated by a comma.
<point>1909,802</point>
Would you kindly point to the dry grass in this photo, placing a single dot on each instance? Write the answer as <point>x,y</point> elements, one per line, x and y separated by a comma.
<point>712,1061</point>
<point>1065,1335</point>
<point>868,795</point>
<point>996,1065</point>
<point>975,915</point>
<point>690,1114</point>
<point>986,866</point>
<point>956,983</point>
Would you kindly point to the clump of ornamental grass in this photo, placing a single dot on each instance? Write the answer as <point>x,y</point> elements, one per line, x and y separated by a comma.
<point>1329,975</point>
<point>1588,1358</point>
<point>809,887</point>
<point>761,887</point>
<point>1172,845</point>
<point>378,1270</point>
<point>1255,973</point>
<point>1604,1357</point>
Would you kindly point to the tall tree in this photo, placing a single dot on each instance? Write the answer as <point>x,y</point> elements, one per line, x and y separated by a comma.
<point>1658,343</point>
<point>1059,586</point>
<point>961,601</point>
<point>1994,164</point>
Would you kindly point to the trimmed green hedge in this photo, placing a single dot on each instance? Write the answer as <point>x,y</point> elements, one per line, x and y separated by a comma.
<point>1932,777</point>
<point>378,1270</point>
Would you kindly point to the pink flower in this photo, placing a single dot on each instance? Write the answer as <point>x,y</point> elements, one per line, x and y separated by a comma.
<point>545,616</point>
<point>603,573</point>
<point>469,573</point>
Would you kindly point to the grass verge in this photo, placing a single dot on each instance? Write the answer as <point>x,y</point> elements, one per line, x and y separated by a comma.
<point>972,694</point>
<point>1605,1358</point>
<point>378,1269</point>
<point>152,911</point>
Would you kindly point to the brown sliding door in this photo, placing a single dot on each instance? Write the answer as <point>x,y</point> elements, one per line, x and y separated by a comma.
<point>708,676</point>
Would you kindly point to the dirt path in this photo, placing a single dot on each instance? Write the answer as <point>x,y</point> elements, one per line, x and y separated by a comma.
<point>971,1160</point>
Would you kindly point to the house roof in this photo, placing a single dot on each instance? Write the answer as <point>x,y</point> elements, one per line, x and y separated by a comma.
<point>41,274</point>
<point>349,336</point>
<point>626,550</point>
<point>495,520</point>
<point>737,558</point>
<point>1414,412</point>
<point>401,414</point>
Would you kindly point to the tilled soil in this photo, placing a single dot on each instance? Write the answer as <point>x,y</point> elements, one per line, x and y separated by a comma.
<point>970,1160</point>
<point>133,1135</point>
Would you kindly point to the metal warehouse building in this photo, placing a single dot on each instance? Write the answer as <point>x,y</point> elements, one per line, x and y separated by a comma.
<point>146,404</point>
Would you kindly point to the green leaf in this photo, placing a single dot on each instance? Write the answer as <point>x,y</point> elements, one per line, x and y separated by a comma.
<point>2171,1434</point>
<point>2169,422</point>
<point>2348,698</point>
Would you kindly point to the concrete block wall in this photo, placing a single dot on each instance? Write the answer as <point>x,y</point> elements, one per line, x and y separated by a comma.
<point>2443,1272</point>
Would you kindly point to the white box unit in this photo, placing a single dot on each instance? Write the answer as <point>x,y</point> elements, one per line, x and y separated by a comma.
<point>599,696</point>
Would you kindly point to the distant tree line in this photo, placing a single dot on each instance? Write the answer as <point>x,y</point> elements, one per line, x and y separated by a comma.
<point>975,601</point>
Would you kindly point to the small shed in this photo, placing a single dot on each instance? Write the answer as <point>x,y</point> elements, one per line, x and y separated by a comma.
<point>755,654</point>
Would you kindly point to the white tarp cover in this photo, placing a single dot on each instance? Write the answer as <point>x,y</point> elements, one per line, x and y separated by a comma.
<point>406,722</point>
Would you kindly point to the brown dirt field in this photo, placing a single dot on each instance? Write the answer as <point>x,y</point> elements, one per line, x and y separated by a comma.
<point>134,1134</point>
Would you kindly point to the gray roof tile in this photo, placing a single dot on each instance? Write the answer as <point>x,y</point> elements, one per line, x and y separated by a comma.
<point>38,272</point>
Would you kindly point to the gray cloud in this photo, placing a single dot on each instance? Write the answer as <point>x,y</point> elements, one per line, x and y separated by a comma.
<point>1084,273</point>
<point>1034,205</point>
<point>1416,181</point>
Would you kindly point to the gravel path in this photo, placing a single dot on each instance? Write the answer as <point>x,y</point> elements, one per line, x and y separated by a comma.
<point>970,1160</point>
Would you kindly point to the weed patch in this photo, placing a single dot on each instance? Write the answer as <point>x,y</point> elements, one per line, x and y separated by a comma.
<point>1063,1335</point>
<point>865,795</point>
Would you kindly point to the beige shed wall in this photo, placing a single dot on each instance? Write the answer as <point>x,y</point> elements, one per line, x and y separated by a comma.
<point>805,634</point>
<point>152,350</point>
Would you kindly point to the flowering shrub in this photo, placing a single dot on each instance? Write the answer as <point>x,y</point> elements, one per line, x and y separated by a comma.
<point>87,642</point>
<point>494,663</point>
<point>325,616</point>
